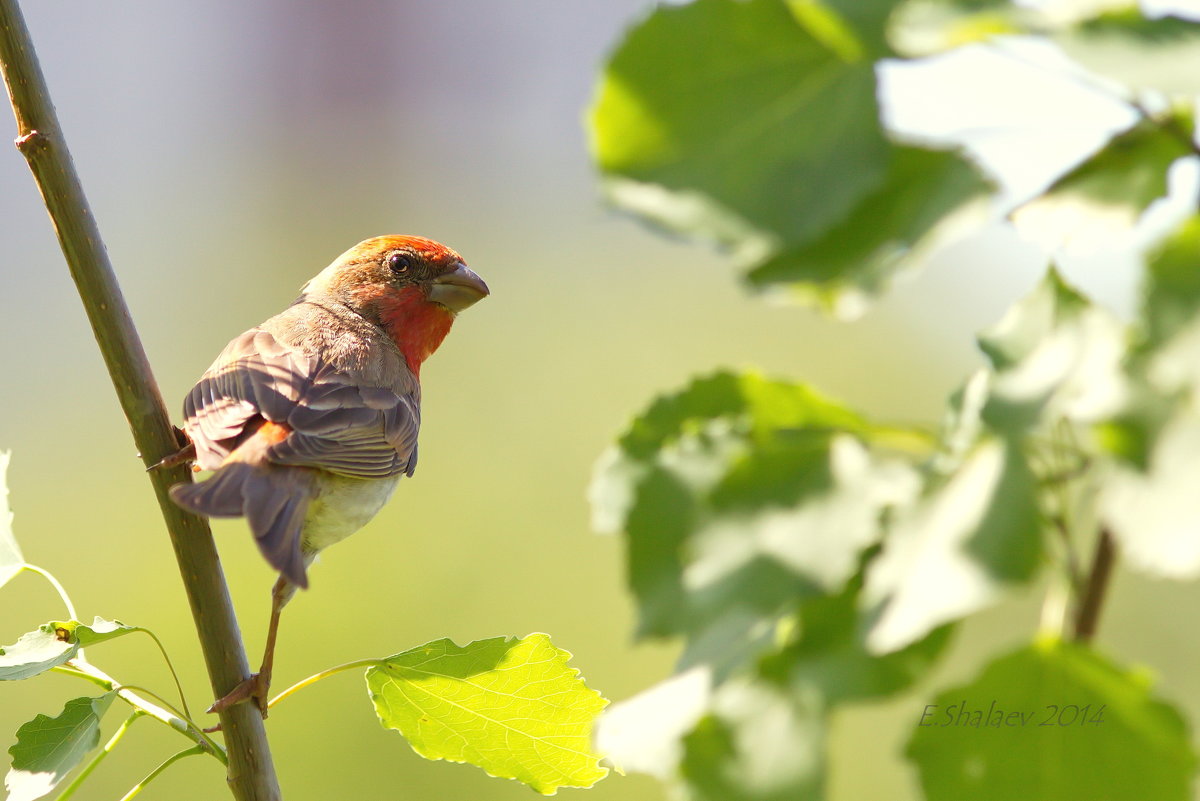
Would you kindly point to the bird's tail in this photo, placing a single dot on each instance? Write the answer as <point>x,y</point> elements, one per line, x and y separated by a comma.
<point>274,500</point>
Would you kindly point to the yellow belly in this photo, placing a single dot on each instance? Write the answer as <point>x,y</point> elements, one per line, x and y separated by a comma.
<point>343,506</point>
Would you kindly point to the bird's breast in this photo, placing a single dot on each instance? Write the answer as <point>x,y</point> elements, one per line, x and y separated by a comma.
<point>342,506</point>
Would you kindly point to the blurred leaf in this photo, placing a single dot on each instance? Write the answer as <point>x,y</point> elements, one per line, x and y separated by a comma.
<point>885,234</point>
<point>1111,190</point>
<point>929,27</point>
<point>953,552</point>
<point>512,707</point>
<point>1152,510</point>
<point>868,17</point>
<point>1170,313</point>
<point>47,749</point>
<point>1053,722</point>
<point>739,495</point>
<point>1124,45</point>
<point>11,560</point>
<point>830,656</point>
<point>1055,356</point>
<point>644,734</point>
<point>52,644</point>
<point>758,744</point>
<point>735,121</point>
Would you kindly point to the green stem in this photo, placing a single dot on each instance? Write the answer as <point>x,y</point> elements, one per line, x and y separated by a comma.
<point>40,140</point>
<point>170,667</point>
<point>62,593</point>
<point>313,679</point>
<point>105,751</point>
<point>152,775</point>
<point>129,694</point>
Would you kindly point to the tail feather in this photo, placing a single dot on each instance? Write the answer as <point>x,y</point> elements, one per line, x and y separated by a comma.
<point>274,501</point>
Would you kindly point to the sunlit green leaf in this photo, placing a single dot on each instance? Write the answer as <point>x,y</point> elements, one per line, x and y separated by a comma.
<point>1139,52</point>
<point>1109,191</point>
<point>885,234</point>
<point>744,141</point>
<point>739,495</point>
<point>758,744</point>
<point>510,706</point>
<point>957,549</point>
<point>48,748</point>
<point>11,560</point>
<point>1055,356</point>
<point>52,644</point>
<point>1052,722</point>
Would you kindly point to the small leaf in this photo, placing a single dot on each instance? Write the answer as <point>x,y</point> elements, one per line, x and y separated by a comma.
<point>11,560</point>
<point>512,707</point>
<point>954,552</point>
<point>48,748</point>
<point>1108,192</point>
<point>54,643</point>
<point>1161,54</point>
<point>1054,721</point>
<point>36,652</point>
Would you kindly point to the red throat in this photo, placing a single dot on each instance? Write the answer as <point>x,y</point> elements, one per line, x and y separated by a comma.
<point>414,324</point>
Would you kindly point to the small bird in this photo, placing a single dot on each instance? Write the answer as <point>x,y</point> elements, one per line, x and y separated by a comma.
<point>309,420</point>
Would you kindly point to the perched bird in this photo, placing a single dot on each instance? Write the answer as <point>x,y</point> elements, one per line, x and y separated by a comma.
<point>309,420</point>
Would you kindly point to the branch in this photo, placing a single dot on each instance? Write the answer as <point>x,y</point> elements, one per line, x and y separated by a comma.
<point>251,772</point>
<point>1087,614</point>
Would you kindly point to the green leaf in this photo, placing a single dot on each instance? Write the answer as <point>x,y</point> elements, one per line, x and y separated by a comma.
<point>35,652</point>
<point>52,644</point>
<point>1161,54</point>
<point>758,744</point>
<point>1170,312</point>
<point>1109,191</point>
<point>1052,722</point>
<point>956,550</point>
<point>1056,356</point>
<point>888,232</point>
<point>512,707</point>
<point>48,748</point>
<point>829,657</point>
<point>11,560</point>
<point>737,121</point>
<point>739,495</point>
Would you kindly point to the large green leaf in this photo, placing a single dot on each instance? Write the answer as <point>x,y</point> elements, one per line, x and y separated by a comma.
<point>735,120</point>
<point>48,748</point>
<point>770,143</point>
<point>1052,722</point>
<point>11,560</point>
<point>510,706</point>
<point>924,195</point>
<point>52,644</point>
<point>1109,191</point>
<point>739,495</point>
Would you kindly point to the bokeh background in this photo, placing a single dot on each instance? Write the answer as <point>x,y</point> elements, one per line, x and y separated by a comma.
<point>230,151</point>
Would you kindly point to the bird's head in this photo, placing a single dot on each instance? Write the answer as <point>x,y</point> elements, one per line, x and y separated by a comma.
<point>408,285</point>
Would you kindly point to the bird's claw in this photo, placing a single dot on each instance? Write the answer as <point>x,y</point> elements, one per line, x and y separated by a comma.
<point>253,689</point>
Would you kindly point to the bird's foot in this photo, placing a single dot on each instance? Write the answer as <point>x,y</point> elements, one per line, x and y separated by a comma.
<point>186,452</point>
<point>253,689</point>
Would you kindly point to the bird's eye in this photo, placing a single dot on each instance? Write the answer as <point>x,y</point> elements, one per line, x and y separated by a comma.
<point>400,263</point>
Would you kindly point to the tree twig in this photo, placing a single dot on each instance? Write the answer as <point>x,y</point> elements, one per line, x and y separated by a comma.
<point>1087,613</point>
<point>251,772</point>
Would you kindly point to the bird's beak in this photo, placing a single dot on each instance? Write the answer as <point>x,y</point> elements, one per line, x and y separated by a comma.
<point>458,289</point>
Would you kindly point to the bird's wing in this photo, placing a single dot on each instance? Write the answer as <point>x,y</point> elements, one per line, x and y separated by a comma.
<point>333,421</point>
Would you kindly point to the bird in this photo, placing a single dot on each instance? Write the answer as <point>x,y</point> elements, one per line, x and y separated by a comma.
<point>309,420</point>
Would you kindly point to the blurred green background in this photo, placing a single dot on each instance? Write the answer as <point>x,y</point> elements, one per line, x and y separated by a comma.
<point>230,152</point>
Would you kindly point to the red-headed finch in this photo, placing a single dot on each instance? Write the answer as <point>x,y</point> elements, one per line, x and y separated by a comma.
<point>309,420</point>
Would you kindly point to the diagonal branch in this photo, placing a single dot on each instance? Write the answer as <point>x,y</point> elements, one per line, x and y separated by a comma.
<point>251,772</point>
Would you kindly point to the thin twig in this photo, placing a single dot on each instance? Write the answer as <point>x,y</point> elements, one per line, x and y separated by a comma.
<point>154,774</point>
<point>40,140</point>
<point>1087,614</point>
